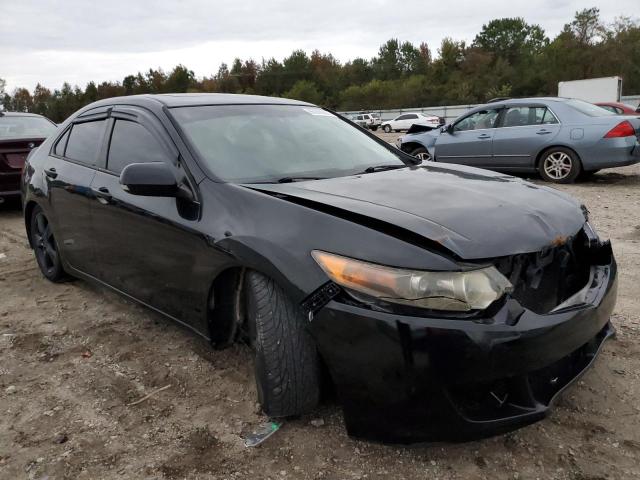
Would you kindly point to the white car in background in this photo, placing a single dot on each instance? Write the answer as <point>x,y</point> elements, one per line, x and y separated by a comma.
<point>404,121</point>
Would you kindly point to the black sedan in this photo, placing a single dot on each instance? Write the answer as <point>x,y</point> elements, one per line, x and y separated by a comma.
<point>443,302</point>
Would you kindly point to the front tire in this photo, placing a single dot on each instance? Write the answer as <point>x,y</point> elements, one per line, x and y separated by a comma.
<point>559,165</point>
<point>421,153</point>
<point>45,247</point>
<point>387,128</point>
<point>287,366</point>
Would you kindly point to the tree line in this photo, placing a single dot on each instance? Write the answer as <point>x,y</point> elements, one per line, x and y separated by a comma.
<point>508,57</point>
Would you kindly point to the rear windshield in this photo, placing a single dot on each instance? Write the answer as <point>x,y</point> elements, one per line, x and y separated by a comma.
<point>25,127</point>
<point>588,108</point>
<point>264,143</point>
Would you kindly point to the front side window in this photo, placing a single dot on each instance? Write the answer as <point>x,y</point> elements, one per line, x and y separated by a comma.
<point>18,126</point>
<point>403,117</point>
<point>132,143</point>
<point>84,142</point>
<point>62,144</point>
<point>477,121</point>
<point>265,143</point>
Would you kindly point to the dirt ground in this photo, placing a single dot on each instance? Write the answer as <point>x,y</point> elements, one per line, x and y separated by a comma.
<point>73,356</point>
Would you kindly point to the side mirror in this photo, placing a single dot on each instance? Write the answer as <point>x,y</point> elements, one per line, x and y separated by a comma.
<point>155,179</point>
<point>447,128</point>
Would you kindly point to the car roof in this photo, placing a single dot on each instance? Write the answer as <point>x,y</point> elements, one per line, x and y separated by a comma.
<point>18,114</point>
<point>196,99</point>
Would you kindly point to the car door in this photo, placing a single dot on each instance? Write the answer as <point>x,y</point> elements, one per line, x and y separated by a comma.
<point>396,123</point>
<point>523,131</point>
<point>69,170</point>
<point>409,120</point>
<point>146,246</point>
<point>469,140</point>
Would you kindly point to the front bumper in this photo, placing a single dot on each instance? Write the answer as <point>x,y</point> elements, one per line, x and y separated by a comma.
<point>404,379</point>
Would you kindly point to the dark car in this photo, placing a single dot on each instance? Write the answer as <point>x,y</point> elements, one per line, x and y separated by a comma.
<point>19,134</point>
<point>443,302</point>
<point>619,108</point>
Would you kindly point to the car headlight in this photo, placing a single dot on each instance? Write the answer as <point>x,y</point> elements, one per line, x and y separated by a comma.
<point>454,291</point>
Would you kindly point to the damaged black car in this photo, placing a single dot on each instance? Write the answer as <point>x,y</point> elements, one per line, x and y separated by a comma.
<point>441,302</point>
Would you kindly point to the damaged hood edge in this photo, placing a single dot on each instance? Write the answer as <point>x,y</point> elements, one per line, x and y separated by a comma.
<point>488,227</point>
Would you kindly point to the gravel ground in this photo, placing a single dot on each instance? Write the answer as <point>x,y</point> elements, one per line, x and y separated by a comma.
<point>73,356</point>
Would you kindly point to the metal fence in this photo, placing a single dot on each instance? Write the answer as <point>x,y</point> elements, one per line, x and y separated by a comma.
<point>451,112</point>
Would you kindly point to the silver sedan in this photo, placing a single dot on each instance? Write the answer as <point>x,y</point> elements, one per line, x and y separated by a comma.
<point>558,137</point>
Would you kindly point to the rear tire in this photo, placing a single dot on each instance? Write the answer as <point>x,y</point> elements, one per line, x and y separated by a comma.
<point>287,366</point>
<point>559,165</point>
<point>45,247</point>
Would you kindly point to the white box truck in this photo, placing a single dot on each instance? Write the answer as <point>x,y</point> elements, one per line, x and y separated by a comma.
<point>605,89</point>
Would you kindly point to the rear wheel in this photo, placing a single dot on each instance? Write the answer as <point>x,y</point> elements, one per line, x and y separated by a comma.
<point>287,366</point>
<point>374,128</point>
<point>559,165</point>
<point>421,153</point>
<point>45,247</point>
<point>387,128</point>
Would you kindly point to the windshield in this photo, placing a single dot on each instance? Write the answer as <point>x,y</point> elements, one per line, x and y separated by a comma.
<point>589,108</point>
<point>264,143</point>
<point>12,127</point>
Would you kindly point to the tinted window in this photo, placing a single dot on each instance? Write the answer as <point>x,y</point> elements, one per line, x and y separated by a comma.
<point>257,143</point>
<point>403,117</point>
<point>132,143</point>
<point>412,116</point>
<point>62,143</point>
<point>477,121</point>
<point>84,142</point>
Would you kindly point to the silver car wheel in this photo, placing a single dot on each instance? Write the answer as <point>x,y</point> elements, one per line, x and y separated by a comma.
<point>424,156</point>
<point>557,165</point>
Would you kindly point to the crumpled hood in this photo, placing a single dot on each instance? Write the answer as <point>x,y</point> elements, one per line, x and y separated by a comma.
<point>474,213</point>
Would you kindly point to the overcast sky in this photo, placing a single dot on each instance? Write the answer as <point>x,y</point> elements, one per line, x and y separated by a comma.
<point>50,41</point>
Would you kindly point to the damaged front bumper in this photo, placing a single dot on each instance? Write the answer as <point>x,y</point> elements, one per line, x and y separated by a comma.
<point>405,379</point>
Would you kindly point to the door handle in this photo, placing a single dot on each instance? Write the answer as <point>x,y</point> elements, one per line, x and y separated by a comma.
<point>484,136</point>
<point>50,172</point>
<point>103,195</point>
<point>543,132</point>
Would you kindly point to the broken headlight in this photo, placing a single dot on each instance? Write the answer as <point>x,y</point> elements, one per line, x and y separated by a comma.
<point>454,291</point>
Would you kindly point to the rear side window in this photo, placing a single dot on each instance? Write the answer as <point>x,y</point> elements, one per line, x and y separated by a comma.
<point>412,117</point>
<point>84,142</point>
<point>132,143</point>
<point>523,116</point>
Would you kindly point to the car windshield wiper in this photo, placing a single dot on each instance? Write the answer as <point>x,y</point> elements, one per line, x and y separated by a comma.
<point>298,179</point>
<point>381,168</point>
